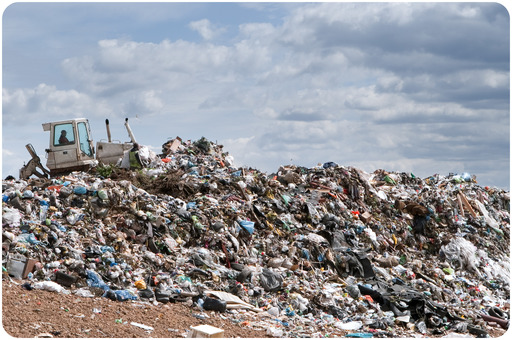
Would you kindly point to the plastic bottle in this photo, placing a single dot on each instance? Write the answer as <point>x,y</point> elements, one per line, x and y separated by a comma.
<point>43,211</point>
<point>200,303</point>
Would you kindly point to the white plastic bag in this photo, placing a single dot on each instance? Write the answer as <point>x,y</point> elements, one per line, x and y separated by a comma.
<point>11,216</point>
<point>51,287</point>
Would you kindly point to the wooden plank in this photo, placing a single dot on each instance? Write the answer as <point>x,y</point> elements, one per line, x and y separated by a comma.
<point>467,205</point>
<point>461,207</point>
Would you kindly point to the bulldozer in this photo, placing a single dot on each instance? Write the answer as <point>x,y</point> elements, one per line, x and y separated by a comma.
<point>71,149</point>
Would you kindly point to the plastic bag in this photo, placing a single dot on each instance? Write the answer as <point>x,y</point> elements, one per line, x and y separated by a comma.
<point>247,225</point>
<point>461,253</point>
<point>28,194</point>
<point>214,304</point>
<point>270,281</point>
<point>359,335</point>
<point>27,238</point>
<point>162,295</point>
<point>84,292</point>
<point>94,280</point>
<point>349,326</point>
<point>119,295</point>
<point>65,279</point>
<point>80,190</point>
<point>329,165</point>
<point>140,284</point>
<point>51,287</point>
<point>146,294</point>
<point>353,291</point>
<point>11,217</point>
<point>144,154</point>
<point>103,195</point>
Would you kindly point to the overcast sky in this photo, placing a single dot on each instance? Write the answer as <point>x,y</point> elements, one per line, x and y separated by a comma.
<point>412,87</point>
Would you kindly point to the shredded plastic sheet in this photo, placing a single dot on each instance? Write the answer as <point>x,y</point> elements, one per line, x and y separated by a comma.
<point>462,254</point>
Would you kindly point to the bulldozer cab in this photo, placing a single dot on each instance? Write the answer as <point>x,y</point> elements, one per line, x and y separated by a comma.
<point>71,147</point>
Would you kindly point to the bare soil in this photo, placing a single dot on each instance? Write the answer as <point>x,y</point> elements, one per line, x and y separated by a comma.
<point>39,313</point>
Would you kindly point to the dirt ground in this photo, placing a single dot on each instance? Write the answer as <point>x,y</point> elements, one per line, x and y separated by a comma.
<point>38,313</point>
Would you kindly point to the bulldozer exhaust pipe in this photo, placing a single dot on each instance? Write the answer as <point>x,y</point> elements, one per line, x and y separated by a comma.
<point>108,131</point>
<point>130,133</point>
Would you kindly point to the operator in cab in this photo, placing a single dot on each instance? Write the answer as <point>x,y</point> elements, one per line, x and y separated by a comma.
<point>63,139</point>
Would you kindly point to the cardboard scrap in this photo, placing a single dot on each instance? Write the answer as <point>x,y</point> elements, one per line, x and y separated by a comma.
<point>206,331</point>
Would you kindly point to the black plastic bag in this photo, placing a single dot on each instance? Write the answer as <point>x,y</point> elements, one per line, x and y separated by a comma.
<point>270,281</point>
<point>65,279</point>
<point>214,304</point>
<point>146,293</point>
<point>164,296</point>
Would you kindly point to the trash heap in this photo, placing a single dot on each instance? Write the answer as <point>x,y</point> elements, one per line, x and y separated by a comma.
<point>303,252</point>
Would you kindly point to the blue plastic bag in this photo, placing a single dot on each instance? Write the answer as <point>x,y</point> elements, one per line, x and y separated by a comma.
<point>123,295</point>
<point>80,190</point>
<point>466,177</point>
<point>27,238</point>
<point>94,280</point>
<point>329,165</point>
<point>359,335</point>
<point>110,249</point>
<point>247,225</point>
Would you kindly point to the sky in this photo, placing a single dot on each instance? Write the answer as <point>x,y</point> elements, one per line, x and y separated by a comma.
<point>421,88</point>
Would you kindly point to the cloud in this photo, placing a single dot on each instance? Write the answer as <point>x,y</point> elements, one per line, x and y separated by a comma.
<point>298,84</point>
<point>8,153</point>
<point>22,106</point>
<point>265,113</point>
<point>122,66</point>
<point>145,103</point>
<point>206,29</point>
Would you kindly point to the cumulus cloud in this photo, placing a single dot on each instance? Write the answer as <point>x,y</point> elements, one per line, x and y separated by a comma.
<point>206,29</point>
<point>143,104</point>
<point>305,84</point>
<point>21,106</point>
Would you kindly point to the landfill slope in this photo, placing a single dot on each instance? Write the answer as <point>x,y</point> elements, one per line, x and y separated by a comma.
<point>303,252</point>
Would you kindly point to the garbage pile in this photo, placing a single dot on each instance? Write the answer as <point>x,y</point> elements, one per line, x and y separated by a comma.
<point>303,252</point>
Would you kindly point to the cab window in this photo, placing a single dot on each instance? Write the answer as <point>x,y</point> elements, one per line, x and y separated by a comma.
<point>83,134</point>
<point>64,134</point>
